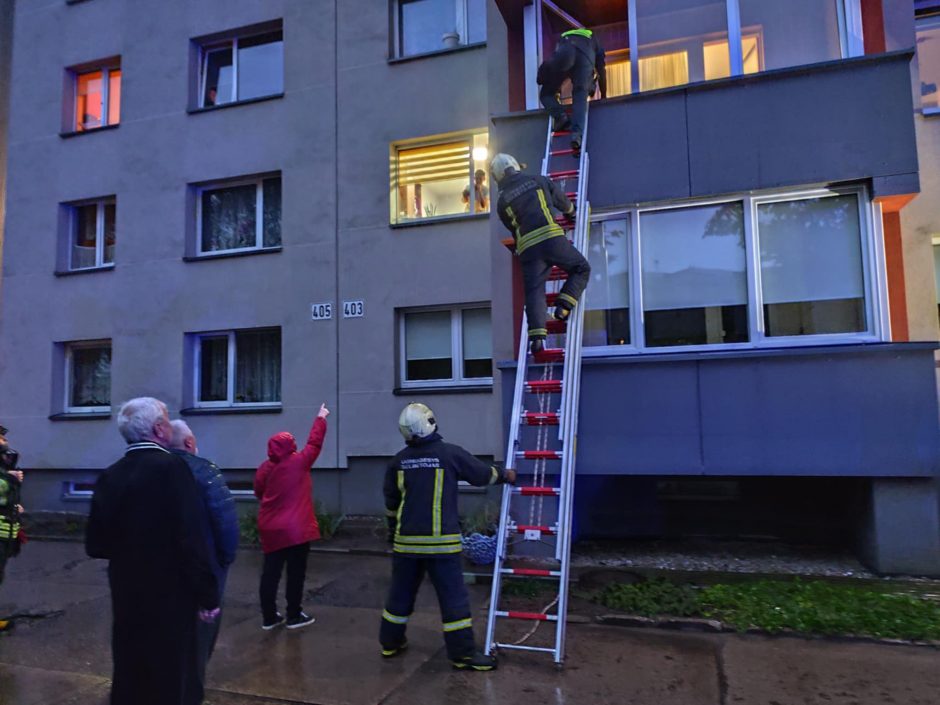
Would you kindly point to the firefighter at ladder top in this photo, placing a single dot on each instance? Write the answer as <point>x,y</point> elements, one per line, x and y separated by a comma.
<point>580,57</point>
<point>421,502</point>
<point>524,207</point>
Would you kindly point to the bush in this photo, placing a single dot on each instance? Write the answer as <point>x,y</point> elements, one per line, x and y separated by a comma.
<point>329,523</point>
<point>652,597</point>
<point>248,528</point>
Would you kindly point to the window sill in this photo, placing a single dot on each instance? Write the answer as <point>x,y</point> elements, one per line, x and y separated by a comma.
<point>80,415</point>
<point>445,389</point>
<point>226,255</point>
<point>930,112</point>
<point>235,104</point>
<point>86,270</point>
<point>438,220</point>
<point>436,52</point>
<point>76,133</point>
<point>228,410</point>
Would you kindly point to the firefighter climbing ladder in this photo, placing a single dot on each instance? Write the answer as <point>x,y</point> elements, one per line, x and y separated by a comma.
<point>542,400</point>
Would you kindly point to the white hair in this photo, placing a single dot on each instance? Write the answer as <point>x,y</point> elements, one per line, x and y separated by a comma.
<point>181,432</point>
<point>137,418</point>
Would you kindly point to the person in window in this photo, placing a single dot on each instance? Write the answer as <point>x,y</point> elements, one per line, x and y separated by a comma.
<point>580,57</point>
<point>210,96</point>
<point>286,521</point>
<point>421,505</point>
<point>481,193</point>
<point>540,242</point>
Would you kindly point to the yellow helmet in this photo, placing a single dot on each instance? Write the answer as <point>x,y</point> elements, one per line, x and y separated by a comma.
<point>501,162</point>
<point>416,421</point>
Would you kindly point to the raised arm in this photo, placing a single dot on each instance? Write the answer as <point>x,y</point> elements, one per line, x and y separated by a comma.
<point>311,451</point>
<point>475,471</point>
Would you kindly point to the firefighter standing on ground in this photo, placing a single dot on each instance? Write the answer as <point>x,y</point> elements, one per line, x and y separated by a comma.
<point>523,206</point>
<point>421,499</point>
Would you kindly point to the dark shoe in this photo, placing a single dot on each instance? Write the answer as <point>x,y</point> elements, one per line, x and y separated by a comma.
<point>562,125</point>
<point>536,345</point>
<point>478,662</point>
<point>268,626</point>
<point>576,143</point>
<point>301,620</point>
<point>389,653</point>
<point>561,313</point>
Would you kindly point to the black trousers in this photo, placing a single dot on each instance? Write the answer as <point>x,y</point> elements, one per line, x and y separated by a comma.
<point>295,557</point>
<point>567,62</point>
<point>446,573</point>
<point>536,262</point>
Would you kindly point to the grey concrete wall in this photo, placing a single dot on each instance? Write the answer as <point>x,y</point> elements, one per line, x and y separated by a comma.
<point>6,60</point>
<point>329,137</point>
<point>901,531</point>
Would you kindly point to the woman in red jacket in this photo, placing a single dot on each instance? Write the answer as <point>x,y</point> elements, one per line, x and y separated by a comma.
<point>286,521</point>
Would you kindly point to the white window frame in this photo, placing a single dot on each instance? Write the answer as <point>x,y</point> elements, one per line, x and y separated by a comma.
<point>931,22</point>
<point>206,49</point>
<point>258,182</point>
<point>456,349</point>
<point>69,491</point>
<point>463,136</point>
<point>873,274</point>
<point>101,203</point>
<point>462,28</point>
<point>105,97</point>
<point>67,401</point>
<point>230,376</point>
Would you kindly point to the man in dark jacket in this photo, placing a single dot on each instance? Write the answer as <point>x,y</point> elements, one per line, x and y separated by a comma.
<point>578,56</point>
<point>523,207</point>
<point>421,502</point>
<point>221,534</point>
<point>147,520</point>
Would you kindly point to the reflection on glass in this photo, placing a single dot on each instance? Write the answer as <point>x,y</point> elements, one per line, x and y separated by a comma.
<point>928,61</point>
<point>88,99</point>
<point>476,21</point>
<point>86,236</point>
<point>694,275</point>
<point>110,216</point>
<point>427,25</point>
<point>477,343</point>
<point>91,377</point>
<point>228,218</point>
<point>607,307</point>
<point>271,209</point>
<point>213,368</point>
<point>260,65</point>
<point>811,266</point>
<point>428,352</point>
<point>219,87</point>
<point>257,366</point>
<point>114,96</point>
<point>792,33</point>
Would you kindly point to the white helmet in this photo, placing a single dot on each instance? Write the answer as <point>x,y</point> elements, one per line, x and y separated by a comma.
<point>416,421</point>
<point>500,163</point>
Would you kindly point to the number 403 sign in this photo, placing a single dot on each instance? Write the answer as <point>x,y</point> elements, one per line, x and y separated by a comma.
<point>324,311</point>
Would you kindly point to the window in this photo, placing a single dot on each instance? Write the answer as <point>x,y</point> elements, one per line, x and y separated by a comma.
<point>796,32</point>
<point>88,377</point>
<point>91,234</point>
<point>241,68</point>
<point>770,269</point>
<point>235,368</point>
<point>928,61</point>
<point>425,26</point>
<point>446,178</point>
<point>936,271</point>
<point>446,346</point>
<point>97,98</point>
<point>239,215</point>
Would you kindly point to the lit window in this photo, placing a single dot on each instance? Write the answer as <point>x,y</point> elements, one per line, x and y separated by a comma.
<point>449,346</point>
<point>718,63</point>
<point>241,68</point>
<point>426,26</point>
<point>88,377</point>
<point>92,234</point>
<point>97,98</point>
<point>239,216</point>
<point>928,61</point>
<point>238,368</point>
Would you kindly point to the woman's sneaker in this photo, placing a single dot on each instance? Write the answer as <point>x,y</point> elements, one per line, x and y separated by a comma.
<point>276,622</point>
<point>301,620</point>
<point>478,662</point>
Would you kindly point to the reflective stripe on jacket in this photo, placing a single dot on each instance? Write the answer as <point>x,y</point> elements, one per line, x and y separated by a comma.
<point>524,207</point>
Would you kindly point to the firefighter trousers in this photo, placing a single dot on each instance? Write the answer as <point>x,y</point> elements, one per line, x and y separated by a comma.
<point>446,573</point>
<point>536,262</point>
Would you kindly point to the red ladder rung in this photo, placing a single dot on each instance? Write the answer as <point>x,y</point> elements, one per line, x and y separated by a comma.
<point>535,418</point>
<point>561,133</point>
<point>550,355</point>
<point>557,274</point>
<point>522,528</point>
<point>556,326</point>
<point>533,572</point>
<point>539,454</point>
<point>560,152</point>
<point>538,616</point>
<point>564,174</point>
<point>572,195</point>
<point>533,491</point>
<point>544,386</point>
<point>551,299</point>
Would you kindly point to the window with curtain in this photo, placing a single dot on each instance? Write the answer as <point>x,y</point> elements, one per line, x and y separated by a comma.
<point>426,26</point>
<point>607,309</point>
<point>243,215</point>
<point>97,96</point>
<point>928,62</point>
<point>447,346</point>
<point>92,234</point>
<point>88,376</point>
<point>442,179</point>
<point>812,276</point>
<point>238,368</point>
<point>242,68</point>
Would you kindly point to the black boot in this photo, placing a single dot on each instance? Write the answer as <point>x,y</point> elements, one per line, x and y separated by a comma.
<point>561,313</point>
<point>562,124</point>
<point>477,662</point>
<point>576,142</point>
<point>536,345</point>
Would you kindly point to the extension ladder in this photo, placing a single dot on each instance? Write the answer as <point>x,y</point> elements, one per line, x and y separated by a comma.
<point>546,396</point>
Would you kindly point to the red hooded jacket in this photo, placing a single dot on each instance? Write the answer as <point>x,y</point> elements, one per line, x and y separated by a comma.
<point>284,488</point>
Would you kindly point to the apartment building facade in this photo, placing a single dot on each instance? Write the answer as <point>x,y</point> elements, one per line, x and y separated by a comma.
<point>247,209</point>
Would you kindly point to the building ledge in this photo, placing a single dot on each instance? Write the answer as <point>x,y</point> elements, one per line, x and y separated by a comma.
<point>228,255</point>
<point>438,52</point>
<point>235,104</point>
<point>230,410</point>
<point>443,389</point>
<point>86,270</point>
<point>439,220</point>
<point>76,133</point>
<point>80,416</point>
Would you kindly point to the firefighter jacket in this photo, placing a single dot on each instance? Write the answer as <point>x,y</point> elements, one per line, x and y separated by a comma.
<point>421,494</point>
<point>9,514</point>
<point>523,206</point>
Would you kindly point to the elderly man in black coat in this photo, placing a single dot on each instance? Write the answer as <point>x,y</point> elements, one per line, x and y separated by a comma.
<point>147,519</point>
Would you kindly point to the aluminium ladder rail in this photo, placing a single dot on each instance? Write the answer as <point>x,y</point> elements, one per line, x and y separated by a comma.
<point>566,419</point>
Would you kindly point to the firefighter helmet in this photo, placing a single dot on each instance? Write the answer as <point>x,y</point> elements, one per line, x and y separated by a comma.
<point>416,421</point>
<point>501,162</point>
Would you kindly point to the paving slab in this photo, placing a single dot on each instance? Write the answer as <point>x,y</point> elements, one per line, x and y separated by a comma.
<point>20,685</point>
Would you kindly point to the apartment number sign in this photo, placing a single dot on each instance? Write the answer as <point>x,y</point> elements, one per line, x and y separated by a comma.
<point>353,309</point>
<point>322,311</point>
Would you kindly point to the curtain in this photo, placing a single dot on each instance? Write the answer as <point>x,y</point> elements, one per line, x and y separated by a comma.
<point>91,376</point>
<point>664,71</point>
<point>228,218</point>
<point>271,212</point>
<point>213,368</point>
<point>257,366</point>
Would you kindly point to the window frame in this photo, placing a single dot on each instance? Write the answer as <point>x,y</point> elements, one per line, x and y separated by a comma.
<point>106,68</point>
<point>457,381</point>
<point>232,43</point>
<point>931,21</point>
<point>873,275</point>
<point>258,182</point>
<point>462,28</point>
<point>101,204</point>
<point>231,367</point>
<point>70,347</point>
